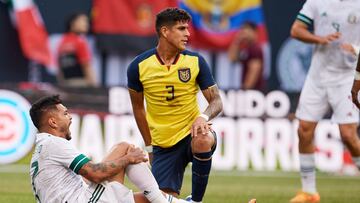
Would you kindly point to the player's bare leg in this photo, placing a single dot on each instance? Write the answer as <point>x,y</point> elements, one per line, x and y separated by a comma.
<point>351,139</point>
<point>306,132</point>
<point>117,151</point>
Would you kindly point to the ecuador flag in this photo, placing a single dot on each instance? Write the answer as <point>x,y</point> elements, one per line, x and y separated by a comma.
<point>215,23</point>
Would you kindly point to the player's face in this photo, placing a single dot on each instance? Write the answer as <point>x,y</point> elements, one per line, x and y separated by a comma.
<point>63,118</point>
<point>178,35</point>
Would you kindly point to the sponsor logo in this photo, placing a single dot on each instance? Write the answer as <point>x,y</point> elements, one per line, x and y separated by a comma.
<point>17,134</point>
<point>184,74</point>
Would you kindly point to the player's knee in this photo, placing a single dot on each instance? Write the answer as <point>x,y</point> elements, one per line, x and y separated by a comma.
<point>120,147</point>
<point>305,132</point>
<point>202,143</point>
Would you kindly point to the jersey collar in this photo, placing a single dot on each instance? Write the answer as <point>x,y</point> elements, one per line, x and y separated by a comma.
<point>162,62</point>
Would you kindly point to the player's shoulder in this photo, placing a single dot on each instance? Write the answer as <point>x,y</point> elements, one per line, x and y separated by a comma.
<point>190,53</point>
<point>143,56</point>
<point>317,3</point>
<point>51,142</point>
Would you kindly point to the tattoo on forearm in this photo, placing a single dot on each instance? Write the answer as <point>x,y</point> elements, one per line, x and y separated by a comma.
<point>215,103</point>
<point>111,167</point>
<point>98,167</point>
<point>83,171</point>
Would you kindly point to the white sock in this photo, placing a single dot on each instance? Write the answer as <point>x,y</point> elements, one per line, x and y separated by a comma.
<point>141,176</point>
<point>172,199</point>
<point>307,172</point>
<point>192,201</point>
<point>356,161</point>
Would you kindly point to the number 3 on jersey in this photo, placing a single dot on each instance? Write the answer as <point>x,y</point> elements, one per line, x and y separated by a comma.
<point>171,91</point>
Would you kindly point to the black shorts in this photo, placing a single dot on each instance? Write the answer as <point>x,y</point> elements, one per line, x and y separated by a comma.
<point>168,165</point>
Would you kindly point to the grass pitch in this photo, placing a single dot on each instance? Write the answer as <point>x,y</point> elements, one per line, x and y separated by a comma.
<point>224,187</point>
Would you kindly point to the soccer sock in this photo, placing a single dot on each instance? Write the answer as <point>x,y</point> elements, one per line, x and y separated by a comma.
<point>356,160</point>
<point>201,166</point>
<point>307,172</point>
<point>172,199</point>
<point>141,176</point>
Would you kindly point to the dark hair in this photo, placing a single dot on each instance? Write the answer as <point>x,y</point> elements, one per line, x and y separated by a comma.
<point>250,24</point>
<point>170,16</point>
<point>41,106</point>
<point>70,20</point>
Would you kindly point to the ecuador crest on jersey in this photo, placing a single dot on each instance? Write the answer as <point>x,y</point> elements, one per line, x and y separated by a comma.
<point>184,74</point>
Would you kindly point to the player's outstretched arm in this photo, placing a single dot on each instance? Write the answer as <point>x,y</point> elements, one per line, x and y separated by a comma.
<point>137,102</point>
<point>300,31</point>
<point>99,172</point>
<point>214,108</point>
<point>356,85</point>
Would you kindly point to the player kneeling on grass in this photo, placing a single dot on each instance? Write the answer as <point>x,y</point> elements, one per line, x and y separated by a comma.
<point>57,167</point>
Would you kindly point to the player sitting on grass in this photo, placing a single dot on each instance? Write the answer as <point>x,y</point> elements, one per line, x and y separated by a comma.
<point>57,167</point>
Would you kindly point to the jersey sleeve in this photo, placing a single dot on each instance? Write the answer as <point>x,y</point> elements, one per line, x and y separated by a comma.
<point>133,77</point>
<point>83,51</point>
<point>204,78</point>
<point>308,12</point>
<point>67,155</point>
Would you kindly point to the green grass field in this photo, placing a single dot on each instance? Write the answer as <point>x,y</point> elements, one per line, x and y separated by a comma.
<point>224,187</point>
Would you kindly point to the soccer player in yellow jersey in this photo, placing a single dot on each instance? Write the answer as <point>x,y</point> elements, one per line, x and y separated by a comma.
<point>174,130</point>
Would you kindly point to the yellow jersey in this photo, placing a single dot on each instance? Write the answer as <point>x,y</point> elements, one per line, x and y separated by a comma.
<point>170,93</point>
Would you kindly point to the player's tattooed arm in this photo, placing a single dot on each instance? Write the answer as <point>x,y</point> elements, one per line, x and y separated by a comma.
<point>99,172</point>
<point>215,104</point>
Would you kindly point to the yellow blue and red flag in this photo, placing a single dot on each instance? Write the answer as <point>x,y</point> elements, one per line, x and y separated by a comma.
<point>215,22</point>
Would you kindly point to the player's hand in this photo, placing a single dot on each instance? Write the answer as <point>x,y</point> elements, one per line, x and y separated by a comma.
<point>348,48</point>
<point>199,126</point>
<point>354,93</point>
<point>329,38</point>
<point>136,155</point>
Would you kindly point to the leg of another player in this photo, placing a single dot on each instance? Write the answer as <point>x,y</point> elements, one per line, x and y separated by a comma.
<point>201,148</point>
<point>308,193</point>
<point>307,158</point>
<point>351,139</point>
<point>141,176</point>
<point>117,151</point>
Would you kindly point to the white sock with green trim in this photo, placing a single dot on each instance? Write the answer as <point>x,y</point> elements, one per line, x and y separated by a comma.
<point>141,176</point>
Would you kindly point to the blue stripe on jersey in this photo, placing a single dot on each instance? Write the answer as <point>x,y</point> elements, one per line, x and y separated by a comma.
<point>303,18</point>
<point>133,71</point>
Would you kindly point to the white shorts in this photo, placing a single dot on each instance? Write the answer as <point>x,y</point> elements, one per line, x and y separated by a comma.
<point>107,192</point>
<point>315,101</point>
